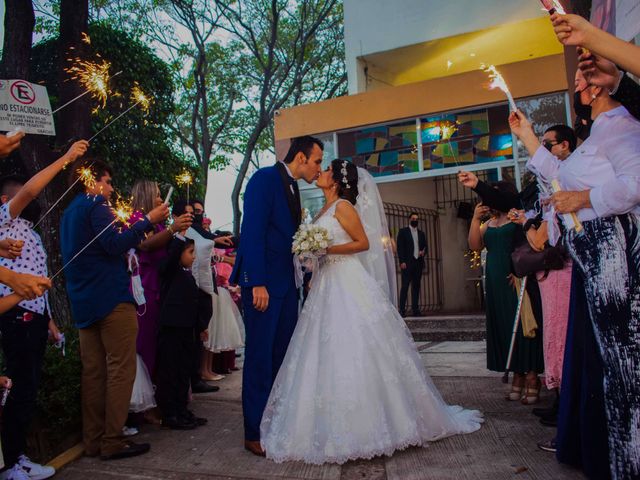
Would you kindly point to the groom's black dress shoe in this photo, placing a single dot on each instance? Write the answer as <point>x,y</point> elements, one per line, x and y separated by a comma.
<point>202,387</point>
<point>179,423</point>
<point>255,448</point>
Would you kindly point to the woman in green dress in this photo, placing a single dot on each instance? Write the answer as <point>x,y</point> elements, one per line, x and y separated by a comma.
<point>498,236</point>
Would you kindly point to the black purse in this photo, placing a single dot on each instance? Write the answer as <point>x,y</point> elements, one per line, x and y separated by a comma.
<point>527,261</point>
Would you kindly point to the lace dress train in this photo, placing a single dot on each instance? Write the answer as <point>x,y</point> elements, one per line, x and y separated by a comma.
<point>352,384</point>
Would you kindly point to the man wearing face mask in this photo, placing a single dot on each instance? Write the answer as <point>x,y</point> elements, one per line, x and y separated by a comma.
<point>222,241</point>
<point>412,246</point>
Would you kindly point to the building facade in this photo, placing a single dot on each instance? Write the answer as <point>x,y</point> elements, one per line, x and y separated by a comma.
<point>419,110</point>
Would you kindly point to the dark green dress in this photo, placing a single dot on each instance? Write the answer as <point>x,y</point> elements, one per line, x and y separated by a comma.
<point>501,305</point>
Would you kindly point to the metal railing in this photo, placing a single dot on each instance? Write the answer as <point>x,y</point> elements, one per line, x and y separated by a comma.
<point>431,288</point>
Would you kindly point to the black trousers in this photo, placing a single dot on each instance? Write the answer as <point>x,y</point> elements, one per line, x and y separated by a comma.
<point>23,346</point>
<point>412,275</point>
<point>176,350</point>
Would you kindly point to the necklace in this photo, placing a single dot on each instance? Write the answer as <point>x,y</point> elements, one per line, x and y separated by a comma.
<point>324,209</point>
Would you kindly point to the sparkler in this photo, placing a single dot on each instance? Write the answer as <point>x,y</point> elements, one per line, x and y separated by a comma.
<point>568,218</point>
<point>497,81</point>
<point>185,178</point>
<point>122,212</point>
<point>86,176</point>
<point>553,6</point>
<point>94,77</point>
<point>447,130</point>
<point>139,97</point>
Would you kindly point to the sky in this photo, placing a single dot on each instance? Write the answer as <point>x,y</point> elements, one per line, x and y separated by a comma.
<point>220,183</point>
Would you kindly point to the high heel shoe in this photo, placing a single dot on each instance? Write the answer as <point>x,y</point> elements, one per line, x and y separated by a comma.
<point>532,393</point>
<point>213,378</point>
<point>515,394</point>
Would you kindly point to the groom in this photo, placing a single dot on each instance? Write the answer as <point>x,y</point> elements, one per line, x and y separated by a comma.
<point>264,270</point>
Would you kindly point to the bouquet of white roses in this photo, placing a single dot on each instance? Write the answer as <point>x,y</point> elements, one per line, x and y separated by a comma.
<point>310,241</point>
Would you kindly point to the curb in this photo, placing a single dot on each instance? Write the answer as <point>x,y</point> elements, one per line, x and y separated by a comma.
<point>65,458</point>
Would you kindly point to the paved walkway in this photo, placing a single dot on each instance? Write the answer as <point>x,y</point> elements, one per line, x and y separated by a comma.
<point>504,448</point>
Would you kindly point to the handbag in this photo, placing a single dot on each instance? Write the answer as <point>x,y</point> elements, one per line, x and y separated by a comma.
<point>527,261</point>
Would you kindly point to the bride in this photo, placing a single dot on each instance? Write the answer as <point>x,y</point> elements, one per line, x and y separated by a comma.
<point>352,384</point>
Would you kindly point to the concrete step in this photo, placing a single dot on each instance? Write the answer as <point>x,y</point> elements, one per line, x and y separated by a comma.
<point>448,335</point>
<point>441,328</point>
<point>446,321</point>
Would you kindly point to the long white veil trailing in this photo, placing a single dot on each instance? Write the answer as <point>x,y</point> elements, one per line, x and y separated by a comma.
<point>378,260</point>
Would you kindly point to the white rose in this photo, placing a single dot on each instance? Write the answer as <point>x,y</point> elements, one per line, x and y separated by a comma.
<point>317,237</point>
<point>304,245</point>
<point>323,244</point>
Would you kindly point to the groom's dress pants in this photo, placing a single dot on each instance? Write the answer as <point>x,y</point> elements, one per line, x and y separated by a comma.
<point>267,338</point>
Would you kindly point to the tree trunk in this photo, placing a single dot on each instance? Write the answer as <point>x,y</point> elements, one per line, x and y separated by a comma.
<point>242,173</point>
<point>72,123</point>
<point>19,21</point>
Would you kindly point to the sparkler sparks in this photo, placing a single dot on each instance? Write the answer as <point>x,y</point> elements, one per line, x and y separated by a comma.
<point>140,98</point>
<point>184,178</point>
<point>86,176</point>
<point>497,81</point>
<point>94,77</point>
<point>123,210</point>
<point>448,129</point>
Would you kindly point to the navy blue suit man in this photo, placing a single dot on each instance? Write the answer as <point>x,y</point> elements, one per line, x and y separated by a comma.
<point>264,269</point>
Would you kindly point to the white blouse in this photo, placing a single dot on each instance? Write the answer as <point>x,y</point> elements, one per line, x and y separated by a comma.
<point>607,163</point>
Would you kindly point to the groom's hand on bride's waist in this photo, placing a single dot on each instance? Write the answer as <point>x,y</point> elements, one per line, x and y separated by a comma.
<point>260,298</point>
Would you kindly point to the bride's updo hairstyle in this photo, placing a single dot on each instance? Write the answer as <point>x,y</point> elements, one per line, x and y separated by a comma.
<point>345,174</point>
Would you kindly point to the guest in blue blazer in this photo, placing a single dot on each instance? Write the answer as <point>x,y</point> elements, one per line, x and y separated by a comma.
<point>264,269</point>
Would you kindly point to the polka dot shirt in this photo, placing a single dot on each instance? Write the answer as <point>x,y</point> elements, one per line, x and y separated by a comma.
<point>33,259</point>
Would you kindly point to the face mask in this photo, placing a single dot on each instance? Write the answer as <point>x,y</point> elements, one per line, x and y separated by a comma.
<point>136,282</point>
<point>583,111</point>
<point>414,223</point>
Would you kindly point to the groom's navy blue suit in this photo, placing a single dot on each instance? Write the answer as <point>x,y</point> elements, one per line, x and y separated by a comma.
<point>271,217</point>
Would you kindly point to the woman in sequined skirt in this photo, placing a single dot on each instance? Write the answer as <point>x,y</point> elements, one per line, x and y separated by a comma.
<point>600,183</point>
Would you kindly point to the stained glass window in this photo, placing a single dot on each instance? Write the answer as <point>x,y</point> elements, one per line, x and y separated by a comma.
<point>466,138</point>
<point>383,150</point>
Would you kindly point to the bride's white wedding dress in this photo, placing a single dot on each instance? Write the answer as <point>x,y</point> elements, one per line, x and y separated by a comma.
<point>352,384</point>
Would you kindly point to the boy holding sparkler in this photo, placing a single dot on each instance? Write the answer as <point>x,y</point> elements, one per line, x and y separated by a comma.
<point>93,245</point>
<point>25,326</point>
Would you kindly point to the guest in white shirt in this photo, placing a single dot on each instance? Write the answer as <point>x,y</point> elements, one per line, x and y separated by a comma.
<point>412,246</point>
<point>601,185</point>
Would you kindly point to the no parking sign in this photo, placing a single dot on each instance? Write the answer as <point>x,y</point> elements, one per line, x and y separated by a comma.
<point>26,105</point>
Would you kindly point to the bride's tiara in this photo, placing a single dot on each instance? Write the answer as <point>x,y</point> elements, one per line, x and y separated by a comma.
<point>343,171</point>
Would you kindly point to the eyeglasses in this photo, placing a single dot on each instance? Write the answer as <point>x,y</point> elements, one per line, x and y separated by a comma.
<point>548,144</point>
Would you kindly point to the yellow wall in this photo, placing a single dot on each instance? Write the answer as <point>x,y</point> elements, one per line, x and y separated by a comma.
<point>528,78</point>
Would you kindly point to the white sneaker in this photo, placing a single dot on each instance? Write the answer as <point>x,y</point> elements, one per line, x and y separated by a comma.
<point>129,431</point>
<point>14,473</point>
<point>35,471</point>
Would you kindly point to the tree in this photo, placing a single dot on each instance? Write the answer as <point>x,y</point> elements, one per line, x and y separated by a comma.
<point>138,145</point>
<point>35,151</point>
<point>206,94</point>
<point>287,53</point>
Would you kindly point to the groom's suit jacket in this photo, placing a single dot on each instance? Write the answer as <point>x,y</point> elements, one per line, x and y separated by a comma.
<point>272,215</point>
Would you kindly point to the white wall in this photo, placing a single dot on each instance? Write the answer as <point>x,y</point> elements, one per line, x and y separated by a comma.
<point>373,26</point>
<point>459,292</point>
